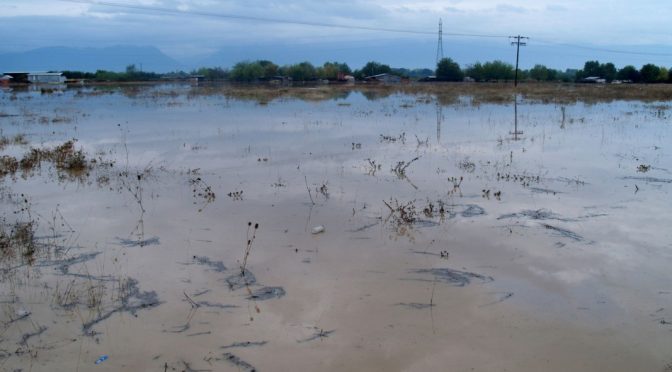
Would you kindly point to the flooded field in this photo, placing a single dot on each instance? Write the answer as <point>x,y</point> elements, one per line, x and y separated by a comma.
<point>183,228</point>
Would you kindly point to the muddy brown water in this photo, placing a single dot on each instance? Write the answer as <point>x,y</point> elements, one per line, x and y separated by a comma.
<point>522,238</point>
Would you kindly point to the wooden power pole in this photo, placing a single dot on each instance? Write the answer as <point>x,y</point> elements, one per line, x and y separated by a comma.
<point>518,43</point>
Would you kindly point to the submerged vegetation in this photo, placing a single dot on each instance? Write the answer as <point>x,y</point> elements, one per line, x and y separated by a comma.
<point>63,157</point>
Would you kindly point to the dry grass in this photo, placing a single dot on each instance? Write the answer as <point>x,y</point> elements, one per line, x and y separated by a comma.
<point>446,92</point>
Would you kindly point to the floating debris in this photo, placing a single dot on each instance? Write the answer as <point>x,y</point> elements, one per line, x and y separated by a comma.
<point>317,230</point>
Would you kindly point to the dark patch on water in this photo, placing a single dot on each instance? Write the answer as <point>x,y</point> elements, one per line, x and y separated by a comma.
<point>239,363</point>
<point>199,334</point>
<point>456,278</point>
<point>28,335</point>
<point>539,214</point>
<point>63,265</point>
<point>649,179</point>
<point>564,232</point>
<point>238,280</point>
<point>415,305</point>
<point>425,223</point>
<point>365,227</point>
<point>426,253</point>
<point>267,293</point>
<point>245,344</point>
<point>473,210</point>
<point>217,266</point>
<point>541,190</point>
<point>200,293</point>
<point>132,300</point>
<point>129,243</point>
<point>179,329</point>
<point>215,305</point>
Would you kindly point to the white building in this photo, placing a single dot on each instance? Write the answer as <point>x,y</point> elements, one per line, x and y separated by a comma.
<point>46,77</point>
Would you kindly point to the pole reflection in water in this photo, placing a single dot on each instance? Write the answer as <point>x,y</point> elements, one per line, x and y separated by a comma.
<point>515,132</point>
<point>439,120</point>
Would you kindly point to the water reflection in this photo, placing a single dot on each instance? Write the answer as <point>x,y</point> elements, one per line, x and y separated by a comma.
<point>520,226</point>
<point>516,133</point>
<point>439,120</point>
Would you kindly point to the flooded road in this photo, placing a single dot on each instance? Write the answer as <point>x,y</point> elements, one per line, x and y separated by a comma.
<point>189,229</point>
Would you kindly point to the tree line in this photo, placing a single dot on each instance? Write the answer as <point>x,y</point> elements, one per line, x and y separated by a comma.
<point>449,70</point>
<point>446,70</point>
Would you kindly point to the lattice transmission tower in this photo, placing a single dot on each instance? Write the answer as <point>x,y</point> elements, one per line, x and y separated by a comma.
<point>439,46</point>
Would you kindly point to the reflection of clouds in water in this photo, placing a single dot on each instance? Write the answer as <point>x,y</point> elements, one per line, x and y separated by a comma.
<point>569,276</point>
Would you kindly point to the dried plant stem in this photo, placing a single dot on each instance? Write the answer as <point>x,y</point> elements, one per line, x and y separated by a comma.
<point>248,247</point>
<point>307,188</point>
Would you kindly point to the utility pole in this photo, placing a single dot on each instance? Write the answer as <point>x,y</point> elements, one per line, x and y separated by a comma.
<point>518,44</point>
<point>439,46</point>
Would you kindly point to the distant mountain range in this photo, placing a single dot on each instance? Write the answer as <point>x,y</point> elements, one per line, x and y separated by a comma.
<point>114,58</point>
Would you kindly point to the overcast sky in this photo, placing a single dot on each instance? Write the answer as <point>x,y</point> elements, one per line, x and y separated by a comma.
<point>643,26</point>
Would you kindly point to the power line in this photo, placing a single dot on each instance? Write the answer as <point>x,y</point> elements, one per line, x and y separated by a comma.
<point>606,50</point>
<point>267,19</point>
<point>341,26</point>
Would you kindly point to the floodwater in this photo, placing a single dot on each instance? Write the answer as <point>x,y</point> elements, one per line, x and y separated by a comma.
<point>395,232</point>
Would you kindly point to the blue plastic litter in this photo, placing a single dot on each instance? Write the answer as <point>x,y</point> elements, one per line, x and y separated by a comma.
<point>101,359</point>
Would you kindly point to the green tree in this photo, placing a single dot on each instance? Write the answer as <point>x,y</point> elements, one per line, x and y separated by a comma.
<point>330,70</point>
<point>663,76</point>
<point>650,73</point>
<point>270,69</point>
<point>215,73</point>
<point>628,72</point>
<point>497,70</point>
<point>448,70</point>
<point>539,73</point>
<point>303,71</point>
<point>608,71</point>
<point>592,68</point>
<point>475,71</point>
<point>247,71</point>
<point>372,68</point>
